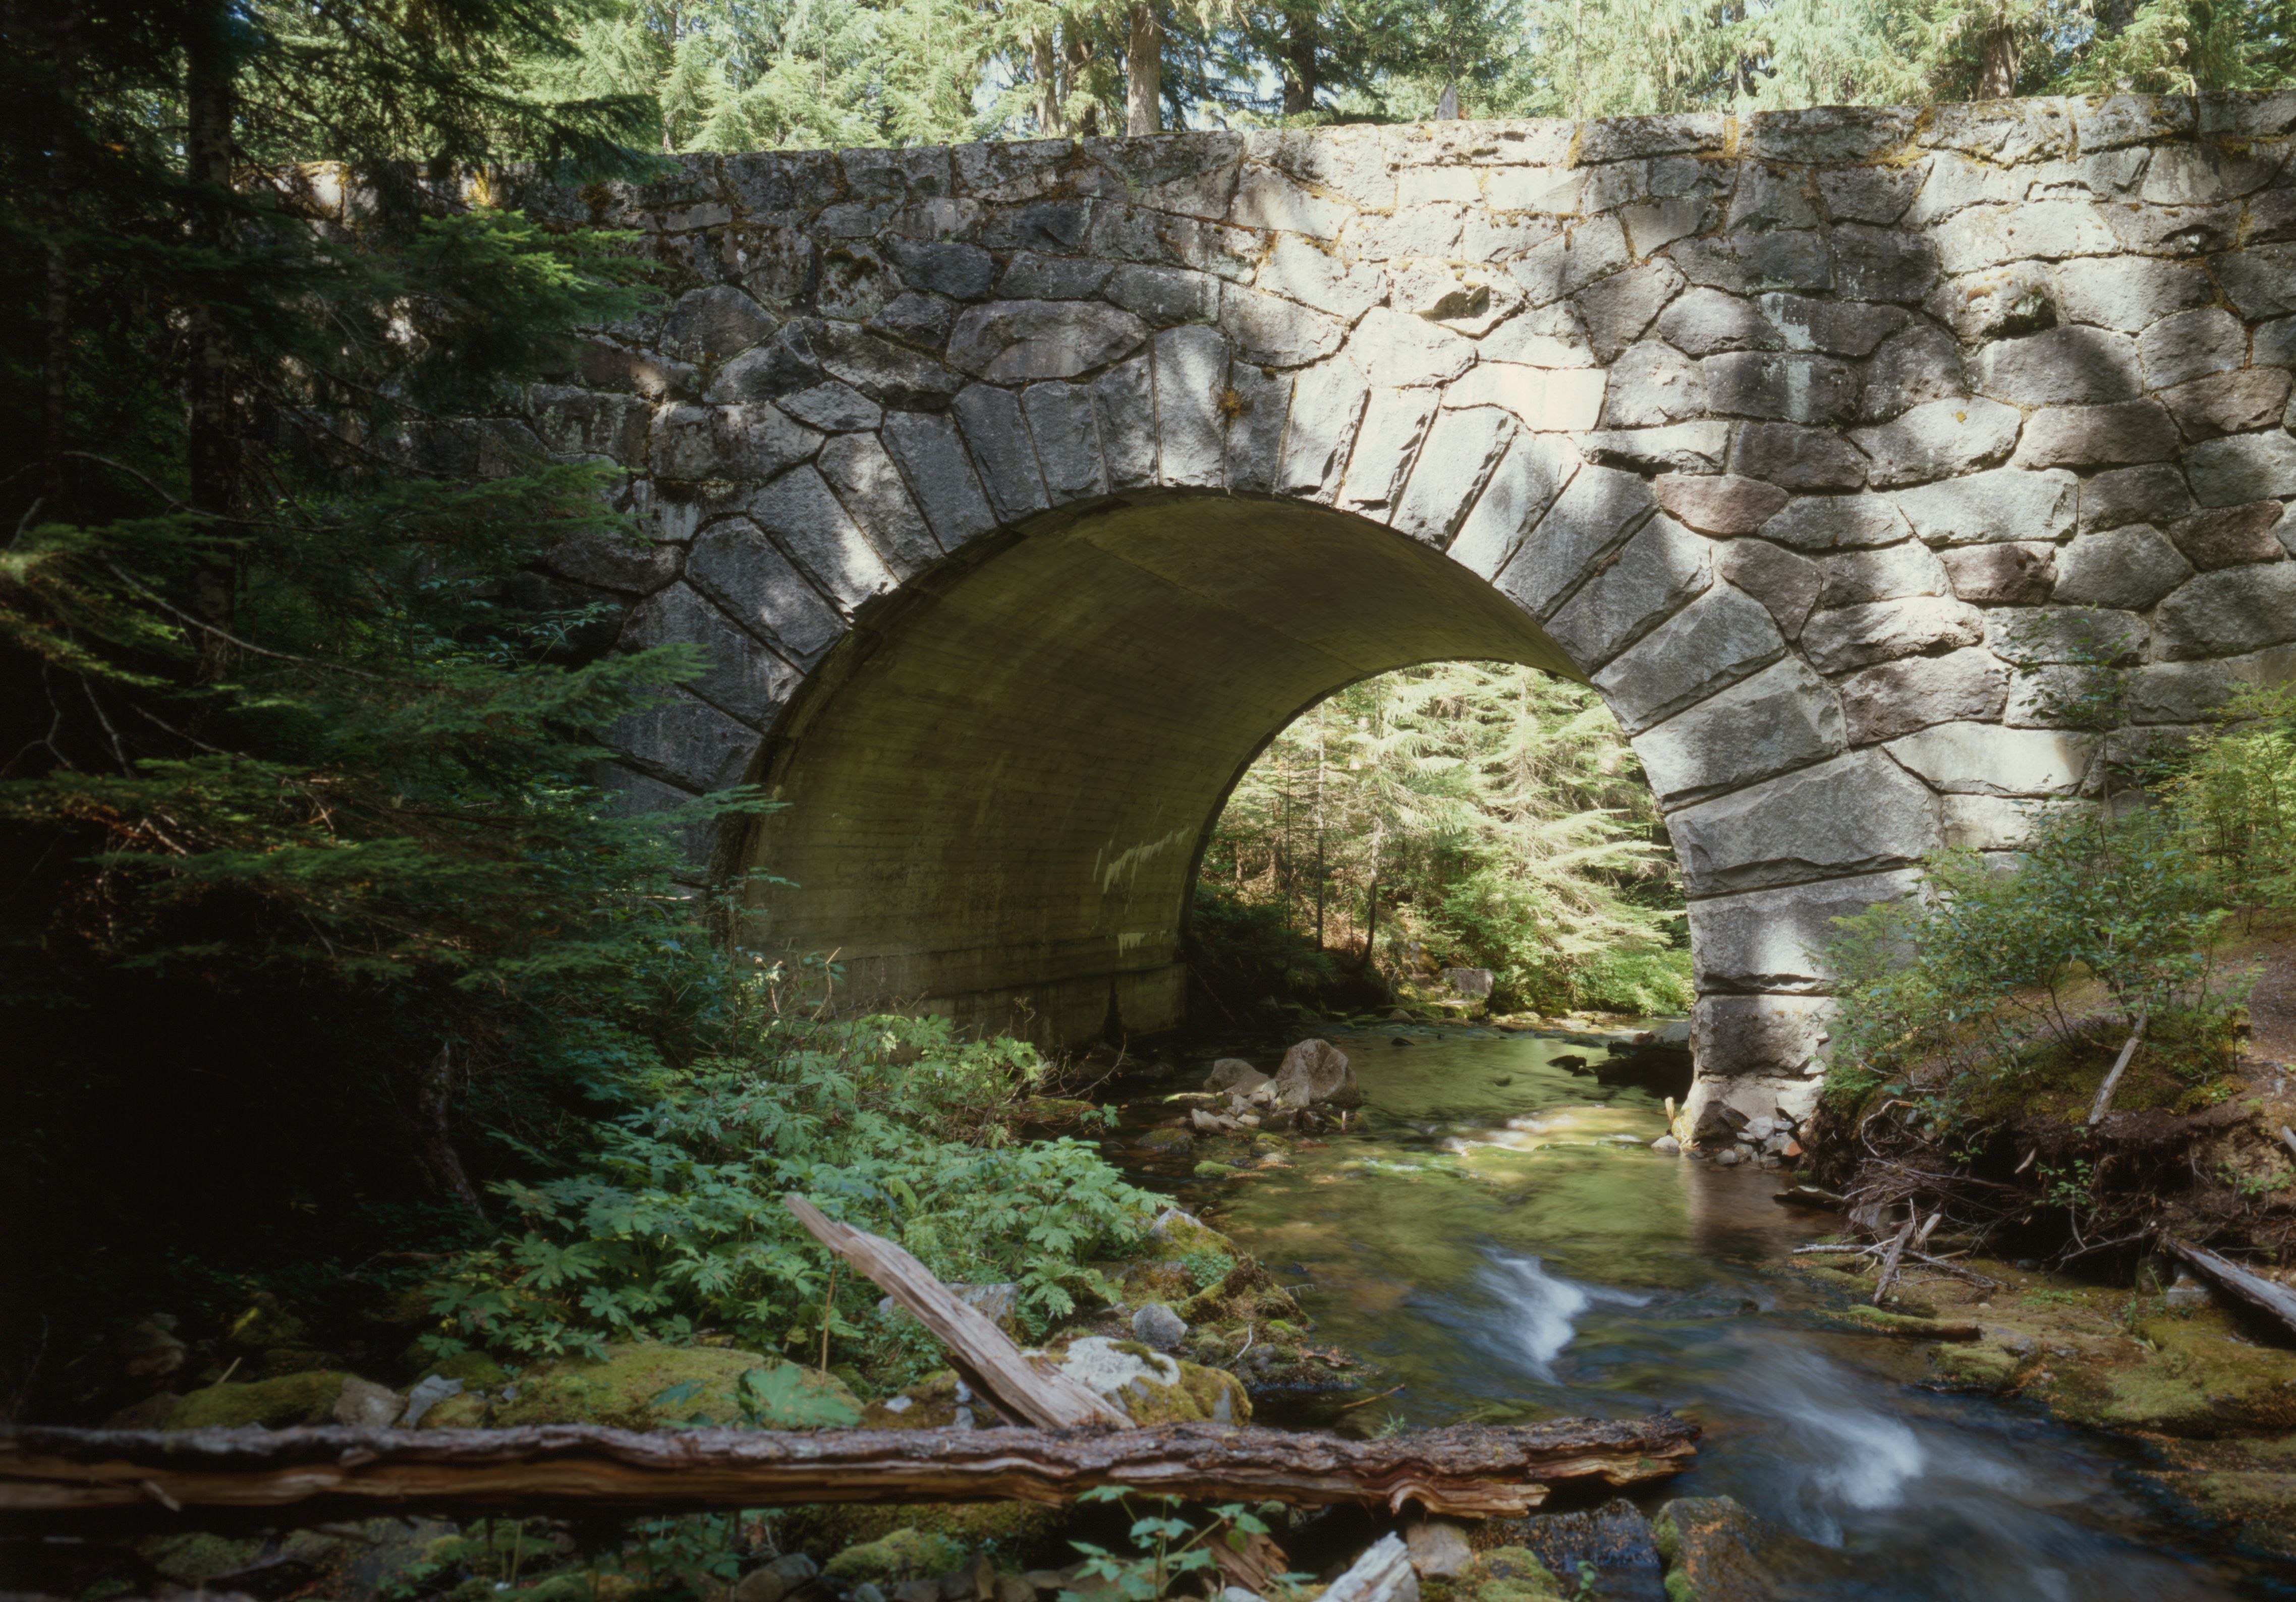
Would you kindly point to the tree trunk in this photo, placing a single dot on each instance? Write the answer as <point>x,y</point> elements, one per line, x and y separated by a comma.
<point>1079,54</point>
<point>212,446</point>
<point>1144,72</point>
<point>1996,65</point>
<point>1302,71</point>
<point>433,1141</point>
<point>1046,63</point>
<point>57,1482</point>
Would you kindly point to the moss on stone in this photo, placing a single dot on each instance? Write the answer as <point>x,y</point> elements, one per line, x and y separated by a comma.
<point>646,1386</point>
<point>1976,1365</point>
<point>281,1403</point>
<point>194,1560</point>
<point>471,1409</point>
<point>904,1554</point>
<point>1707,1543</point>
<point>475,1369</point>
<point>2199,1378</point>
<point>1875,1320</point>
<point>1020,1533</point>
<point>1504,1574</point>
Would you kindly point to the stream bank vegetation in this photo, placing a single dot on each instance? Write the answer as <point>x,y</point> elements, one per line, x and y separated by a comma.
<point>1460,816</point>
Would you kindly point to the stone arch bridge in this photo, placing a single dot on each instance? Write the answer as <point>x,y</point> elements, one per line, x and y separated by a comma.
<point>1019,493</point>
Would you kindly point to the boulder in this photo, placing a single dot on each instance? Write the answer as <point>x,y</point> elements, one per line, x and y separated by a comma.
<point>281,1403</point>
<point>1153,1387</point>
<point>1708,1545</point>
<point>1235,1076</point>
<point>647,1384</point>
<point>1157,1326</point>
<point>1316,1073</point>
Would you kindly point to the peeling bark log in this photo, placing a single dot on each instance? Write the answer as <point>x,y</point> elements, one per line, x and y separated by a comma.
<point>984,1354</point>
<point>60,1481</point>
<point>2254,1290</point>
<point>1383,1573</point>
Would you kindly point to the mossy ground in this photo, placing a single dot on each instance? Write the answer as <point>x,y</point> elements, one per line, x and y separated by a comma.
<point>307,1397</point>
<point>646,1386</point>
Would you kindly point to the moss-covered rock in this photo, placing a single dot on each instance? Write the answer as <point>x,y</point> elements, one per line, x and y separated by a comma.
<point>1504,1574</point>
<point>649,1385</point>
<point>1246,1294</point>
<point>1873,1320</point>
<point>1153,1387</point>
<point>1707,1544</point>
<point>475,1369</point>
<point>1056,1112</point>
<point>1020,1535</point>
<point>904,1554</point>
<point>195,1559</point>
<point>471,1409</point>
<point>281,1403</point>
<point>931,1403</point>
<point>2196,1376</point>
<point>1976,1365</point>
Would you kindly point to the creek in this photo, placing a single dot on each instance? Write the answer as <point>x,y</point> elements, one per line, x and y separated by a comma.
<point>1495,1234</point>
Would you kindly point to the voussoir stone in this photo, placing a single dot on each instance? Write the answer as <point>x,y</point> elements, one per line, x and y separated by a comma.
<point>2229,536</point>
<point>1657,572</point>
<point>1897,698</point>
<point>1011,341</point>
<point>1723,636</point>
<point>1782,718</point>
<point>1786,584</point>
<point>1859,812</point>
<point>1881,631</point>
<point>1938,439</point>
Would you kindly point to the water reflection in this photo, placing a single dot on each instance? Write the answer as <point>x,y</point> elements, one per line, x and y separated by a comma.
<point>1485,1234</point>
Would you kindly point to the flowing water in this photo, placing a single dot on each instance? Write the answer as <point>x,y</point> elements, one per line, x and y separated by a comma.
<point>1495,1234</point>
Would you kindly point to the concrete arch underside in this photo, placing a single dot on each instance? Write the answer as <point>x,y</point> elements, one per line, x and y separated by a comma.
<point>1015,492</point>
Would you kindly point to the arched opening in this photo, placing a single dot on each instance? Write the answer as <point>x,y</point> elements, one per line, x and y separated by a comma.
<point>999,786</point>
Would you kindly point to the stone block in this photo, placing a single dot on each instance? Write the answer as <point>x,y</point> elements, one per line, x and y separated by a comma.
<point>2006,503</point>
<point>1703,322</point>
<point>1995,823</point>
<point>2196,175</point>
<point>2275,344</point>
<point>1652,383</point>
<point>611,561</point>
<point>1770,942</point>
<point>1162,297</point>
<point>1734,1038</point>
<point>1883,631</point>
<point>1717,639</point>
<point>1191,373</point>
<point>1840,328</point>
<point>961,272</point>
<point>1261,401</point>
<point>1616,311</point>
<point>2129,293</point>
<point>882,370</point>
<point>861,472</point>
<point>1936,440</point>
<point>2247,467</point>
<point>1060,425</point>
<point>1595,513</point>
<point>1682,447</point>
<point>685,742</point>
<point>922,320</point>
<point>1268,198</point>
<point>2122,432</point>
<point>1719,503</point>
<point>2073,365</point>
<point>1547,400</point>
<point>715,322</point>
<point>1551,336</point>
<point>2134,494</point>
<point>1029,276</point>
<point>1462,448</point>
<point>1838,523</point>
<point>1013,341</point>
<point>1394,423</point>
<point>1748,263</point>
<point>931,456</point>
<point>993,427</point>
<point>1786,584</point>
<point>1857,813</point>
<point>812,527</point>
<point>2191,344</point>
<point>744,443</point>
<point>1878,195</point>
<point>739,675</point>
<point>2087,635</point>
<point>1787,386</point>
<point>2016,298</point>
<point>1797,458</point>
<point>1397,350</point>
<point>1653,224</point>
<point>1987,759</point>
<point>1529,475</point>
<point>1986,236</point>
<point>1624,138</point>
<point>1882,263</point>
<point>1782,718</point>
<point>1124,405</point>
<point>2228,613</point>
<point>1570,262</point>
<point>1897,698</point>
<point>1298,269</point>
<point>2229,402</point>
<point>578,422</point>
<point>2260,283</point>
<point>835,408</point>
<point>1658,572</point>
<point>1326,403</point>
<point>2193,692</point>
<point>736,566</point>
<point>2014,574</point>
<point>1854,577</point>
<point>2229,537</point>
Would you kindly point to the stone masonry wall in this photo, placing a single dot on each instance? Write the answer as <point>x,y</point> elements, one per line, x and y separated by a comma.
<point>1823,442</point>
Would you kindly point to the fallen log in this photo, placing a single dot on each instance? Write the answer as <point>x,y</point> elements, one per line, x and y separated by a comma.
<point>984,1354</point>
<point>2254,1290</point>
<point>60,1481</point>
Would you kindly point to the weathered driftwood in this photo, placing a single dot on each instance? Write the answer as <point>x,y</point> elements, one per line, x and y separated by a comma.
<point>2254,1290</point>
<point>1383,1573</point>
<point>2112,1080</point>
<point>56,1480</point>
<point>984,1354</point>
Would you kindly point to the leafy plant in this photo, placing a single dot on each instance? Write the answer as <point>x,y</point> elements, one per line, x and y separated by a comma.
<point>1167,1547</point>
